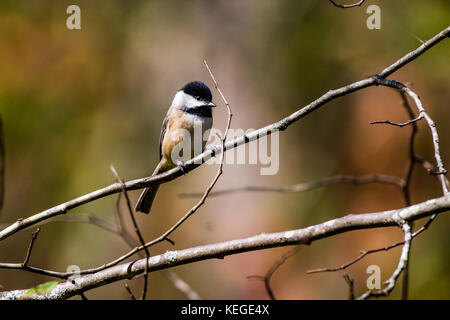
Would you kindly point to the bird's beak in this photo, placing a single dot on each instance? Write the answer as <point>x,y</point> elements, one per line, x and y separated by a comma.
<point>211,104</point>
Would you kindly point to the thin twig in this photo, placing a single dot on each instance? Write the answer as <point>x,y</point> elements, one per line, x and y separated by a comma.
<point>132,297</point>
<point>420,117</point>
<point>205,156</point>
<point>341,178</point>
<point>120,230</point>
<point>413,158</point>
<point>430,122</point>
<point>390,283</point>
<point>367,252</point>
<point>346,6</point>
<point>181,285</point>
<point>136,229</point>
<point>21,224</point>
<point>350,282</point>
<point>307,235</point>
<point>272,270</point>
<point>165,235</point>
<point>432,169</point>
<point>30,247</point>
<point>83,296</point>
<point>408,177</point>
<point>412,154</point>
<point>24,264</point>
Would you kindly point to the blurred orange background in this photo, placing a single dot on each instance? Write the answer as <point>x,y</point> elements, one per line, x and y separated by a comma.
<point>73,102</point>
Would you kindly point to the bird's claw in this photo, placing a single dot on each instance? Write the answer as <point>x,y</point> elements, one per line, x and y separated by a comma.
<point>182,167</point>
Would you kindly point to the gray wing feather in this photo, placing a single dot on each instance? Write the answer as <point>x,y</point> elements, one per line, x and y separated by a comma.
<point>163,133</point>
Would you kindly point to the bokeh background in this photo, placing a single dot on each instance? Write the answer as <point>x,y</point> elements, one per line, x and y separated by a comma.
<point>73,102</point>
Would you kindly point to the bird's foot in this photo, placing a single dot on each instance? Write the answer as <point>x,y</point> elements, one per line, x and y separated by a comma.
<point>182,167</point>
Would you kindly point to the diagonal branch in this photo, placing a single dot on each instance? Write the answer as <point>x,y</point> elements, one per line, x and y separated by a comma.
<point>345,6</point>
<point>402,263</point>
<point>307,235</point>
<point>120,230</point>
<point>272,270</point>
<point>430,122</point>
<point>351,286</point>
<point>364,253</point>
<point>136,229</point>
<point>397,124</point>
<point>340,178</point>
<point>205,156</point>
<point>408,177</point>
<point>30,247</point>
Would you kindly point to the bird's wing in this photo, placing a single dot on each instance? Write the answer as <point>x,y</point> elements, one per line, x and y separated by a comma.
<point>163,133</point>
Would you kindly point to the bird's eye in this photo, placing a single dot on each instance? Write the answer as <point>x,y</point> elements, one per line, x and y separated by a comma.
<point>197,97</point>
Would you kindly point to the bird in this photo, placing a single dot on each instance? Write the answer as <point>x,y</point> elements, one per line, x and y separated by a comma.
<point>189,114</point>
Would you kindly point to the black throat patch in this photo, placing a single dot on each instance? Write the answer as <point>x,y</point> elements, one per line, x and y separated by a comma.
<point>200,111</point>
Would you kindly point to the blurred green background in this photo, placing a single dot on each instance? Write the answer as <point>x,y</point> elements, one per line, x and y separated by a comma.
<point>75,101</point>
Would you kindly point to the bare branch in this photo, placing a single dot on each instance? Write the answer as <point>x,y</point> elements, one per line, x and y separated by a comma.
<point>420,117</point>
<point>416,53</point>
<point>127,287</point>
<point>272,270</point>
<point>431,124</point>
<point>431,169</point>
<point>345,6</point>
<point>412,154</point>
<point>83,297</point>
<point>350,282</point>
<point>112,271</point>
<point>171,174</point>
<point>24,265</point>
<point>121,231</point>
<point>30,247</point>
<point>262,241</point>
<point>136,229</point>
<point>205,156</point>
<point>341,178</point>
<point>407,197</point>
<point>403,261</point>
<point>181,285</point>
<point>367,252</point>
<point>408,176</point>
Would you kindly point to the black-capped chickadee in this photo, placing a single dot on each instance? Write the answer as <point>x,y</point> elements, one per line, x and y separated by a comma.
<point>190,111</point>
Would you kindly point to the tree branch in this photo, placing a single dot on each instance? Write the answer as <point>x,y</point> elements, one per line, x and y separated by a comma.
<point>136,229</point>
<point>345,6</point>
<point>112,271</point>
<point>30,247</point>
<point>340,178</point>
<point>272,270</point>
<point>205,156</point>
<point>402,263</point>
<point>350,282</point>
<point>430,122</point>
<point>364,253</point>
<point>220,250</point>
<point>420,117</point>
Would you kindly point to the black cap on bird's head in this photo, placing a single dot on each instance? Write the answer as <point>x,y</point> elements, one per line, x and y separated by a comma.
<point>198,90</point>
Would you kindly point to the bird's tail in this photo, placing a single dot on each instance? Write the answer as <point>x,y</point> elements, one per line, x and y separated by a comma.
<point>145,201</point>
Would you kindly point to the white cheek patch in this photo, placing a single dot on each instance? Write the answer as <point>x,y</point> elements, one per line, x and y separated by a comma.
<point>182,99</point>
